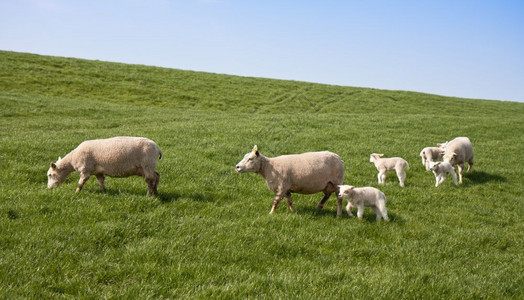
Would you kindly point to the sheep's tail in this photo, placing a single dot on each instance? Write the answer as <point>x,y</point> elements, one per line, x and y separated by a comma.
<point>407,166</point>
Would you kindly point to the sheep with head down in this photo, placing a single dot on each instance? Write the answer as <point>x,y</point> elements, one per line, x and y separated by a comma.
<point>429,154</point>
<point>115,157</point>
<point>306,173</point>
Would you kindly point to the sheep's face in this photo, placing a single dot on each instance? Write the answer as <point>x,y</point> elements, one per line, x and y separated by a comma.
<point>345,191</point>
<point>450,158</point>
<point>54,176</point>
<point>374,156</point>
<point>250,162</point>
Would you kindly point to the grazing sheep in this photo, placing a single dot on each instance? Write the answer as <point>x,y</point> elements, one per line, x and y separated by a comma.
<point>429,154</point>
<point>457,152</point>
<point>388,164</point>
<point>305,173</point>
<point>115,157</point>
<point>440,169</point>
<point>365,196</point>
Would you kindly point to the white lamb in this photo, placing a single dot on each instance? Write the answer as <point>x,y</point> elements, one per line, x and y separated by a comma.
<point>365,196</point>
<point>440,169</point>
<point>429,154</point>
<point>115,157</point>
<point>388,164</point>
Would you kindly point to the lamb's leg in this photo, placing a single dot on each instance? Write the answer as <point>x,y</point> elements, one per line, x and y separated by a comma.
<point>83,178</point>
<point>360,211</point>
<point>454,177</point>
<point>277,199</point>
<point>442,178</point>
<point>382,176</point>
<point>401,176</point>
<point>377,212</point>
<point>339,206</point>
<point>101,179</point>
<point>348,209</point>
<point>460,168</point>
<point>436,180</point>
<point>289,201</point>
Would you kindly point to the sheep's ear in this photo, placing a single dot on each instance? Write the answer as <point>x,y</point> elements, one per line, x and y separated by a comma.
<point>255,148</point>
<point>53,166</point>
<point>438,163</point>
<point>380,155</point>
<point>351,187</point>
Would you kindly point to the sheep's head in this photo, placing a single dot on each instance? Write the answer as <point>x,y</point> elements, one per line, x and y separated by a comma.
<point>450,158</point>
<point>250,162</point>
<point>55,176</point>
<point>344,191</point>
<point>375,156</point>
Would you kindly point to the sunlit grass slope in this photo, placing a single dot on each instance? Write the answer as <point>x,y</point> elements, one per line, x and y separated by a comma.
<point>208,234</point>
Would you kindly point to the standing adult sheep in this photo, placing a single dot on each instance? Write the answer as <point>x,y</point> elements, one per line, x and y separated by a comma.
<point>306,173</point>
<point>459,151</point>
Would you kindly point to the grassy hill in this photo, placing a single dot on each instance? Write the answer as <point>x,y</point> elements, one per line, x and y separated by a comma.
<point>208,234</point>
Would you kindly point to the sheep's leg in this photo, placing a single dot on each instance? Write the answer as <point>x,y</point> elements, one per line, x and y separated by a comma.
<point>460,168</point>
<point>360,211</point>
<point>348,209</point>
<point>442,178</point>
<point>339,206</point>
<point>101,179</point>
<point>377,212</point>
<point>401,176</point>
<point>437,179</point>
<point>454,177</point>
<point>382,176</point>
<point>289,201</point>
<point>277,199</point>
<point>83,178</point>
<point>383,210</point>
<point>157,179</point>
<point>152,181</point>
<point>470,165</point>
<point>323,200</point>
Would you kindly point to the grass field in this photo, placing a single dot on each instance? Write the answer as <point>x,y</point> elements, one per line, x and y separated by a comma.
<point>208,234</point>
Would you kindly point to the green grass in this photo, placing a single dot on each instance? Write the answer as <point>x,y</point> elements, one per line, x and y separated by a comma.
<point>208,234</point>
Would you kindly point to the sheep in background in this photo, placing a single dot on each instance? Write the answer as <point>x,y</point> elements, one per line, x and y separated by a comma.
<point>459,151</point>
<point>365,196</point>
<point>440,169</point>
<point>388,164</point>
<point>305,173</point>
<point>115,157</point>
<point>429,154</point>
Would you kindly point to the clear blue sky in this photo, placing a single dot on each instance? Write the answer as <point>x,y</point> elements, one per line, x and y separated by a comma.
<point>472,49</point>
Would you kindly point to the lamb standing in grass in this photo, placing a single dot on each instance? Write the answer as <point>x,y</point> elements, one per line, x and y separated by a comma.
<point>429,154</point>
<point>305,173</point>
<point>440,169</point>
<point>388,164</point>
<point>115,157</point>
<point>457,152</point>
<point>365,196</point>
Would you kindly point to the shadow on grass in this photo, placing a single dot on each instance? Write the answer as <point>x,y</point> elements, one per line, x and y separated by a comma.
<point>479,177</point>
<point>168,197</point>
<point>369,215</point>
